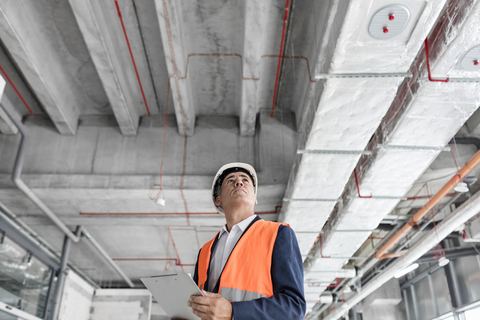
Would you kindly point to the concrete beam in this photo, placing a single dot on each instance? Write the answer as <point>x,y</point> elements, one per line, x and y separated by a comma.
<point>256,16</point>
<point>26,32</point>
<point>149,26</point>
<point>6,124</point>
<point>12,97</point>
<point>102,30</point>
<point>171,27</point>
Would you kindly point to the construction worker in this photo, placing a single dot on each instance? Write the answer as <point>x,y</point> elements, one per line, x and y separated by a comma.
<point>252,269</point>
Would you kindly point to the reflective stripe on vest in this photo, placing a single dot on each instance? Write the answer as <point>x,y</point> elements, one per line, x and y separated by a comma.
<point>233,294</point>
<point>247,273</point>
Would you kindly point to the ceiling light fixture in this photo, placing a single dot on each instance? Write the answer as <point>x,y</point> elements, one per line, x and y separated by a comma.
<point>443,261</point>
<point>406,270</point>
<point>461,187</point>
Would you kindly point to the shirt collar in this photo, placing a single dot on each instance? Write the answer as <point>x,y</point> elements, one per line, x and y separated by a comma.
<point>242,225</point>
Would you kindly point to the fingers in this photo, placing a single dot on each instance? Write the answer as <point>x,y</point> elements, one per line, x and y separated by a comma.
<point>200,300</point>
<point>201,315</point>
<point>210,294</point>
<point>199,307</point>
<point>200,310</point>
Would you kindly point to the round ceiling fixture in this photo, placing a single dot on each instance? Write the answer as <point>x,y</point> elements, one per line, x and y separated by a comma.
<point>461,187</point>
<point>443,261</point>
<point>393,18</point>
<point>470,60</point>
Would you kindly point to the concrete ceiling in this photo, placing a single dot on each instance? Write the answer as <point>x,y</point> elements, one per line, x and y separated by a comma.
<point>102,140</point>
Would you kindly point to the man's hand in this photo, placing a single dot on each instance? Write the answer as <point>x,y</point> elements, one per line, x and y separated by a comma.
<point>211,307</point>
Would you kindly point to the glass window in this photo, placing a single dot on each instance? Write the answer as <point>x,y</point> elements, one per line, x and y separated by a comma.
<point>408,295</point>
<point>440,287</point>
<point>426,308</point>
<point>468,276</point>
<point>23,279</point>
<point>473,314</point>
<point>7,316</point>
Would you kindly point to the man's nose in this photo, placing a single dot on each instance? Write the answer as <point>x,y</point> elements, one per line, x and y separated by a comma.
<point>239,182</point>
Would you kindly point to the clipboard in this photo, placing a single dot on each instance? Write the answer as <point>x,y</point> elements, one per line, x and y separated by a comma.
<point>172,293</point>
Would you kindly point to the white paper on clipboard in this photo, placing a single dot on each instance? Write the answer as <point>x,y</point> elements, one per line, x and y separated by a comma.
<point>172,293</point>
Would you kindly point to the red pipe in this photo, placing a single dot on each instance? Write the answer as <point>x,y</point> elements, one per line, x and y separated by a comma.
<point>131,56</point>
<point>162,213</point>
<point>241,62</point>
<point>334,285</point>
<point>293,57</point>
<point>356,182</point>
<point>321,248</point>
<point>16,90</point>
<point>175,248</point>
<point>177,262</point>
<point>143,213</point>
<point>285,20</point>
<point>428,65</point>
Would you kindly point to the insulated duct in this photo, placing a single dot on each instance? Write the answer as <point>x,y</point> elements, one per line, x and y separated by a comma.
<point>465,212</point>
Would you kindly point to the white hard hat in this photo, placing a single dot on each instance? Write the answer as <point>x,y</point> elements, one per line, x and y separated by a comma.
<point>226,169</point>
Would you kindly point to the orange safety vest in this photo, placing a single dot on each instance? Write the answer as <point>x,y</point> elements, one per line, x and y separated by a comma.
<point>246,275</point>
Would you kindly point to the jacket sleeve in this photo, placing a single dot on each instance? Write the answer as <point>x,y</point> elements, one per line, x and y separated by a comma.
<point>288,300</point>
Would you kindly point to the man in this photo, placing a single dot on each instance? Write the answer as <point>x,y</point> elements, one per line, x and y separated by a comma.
<point>252,269</point>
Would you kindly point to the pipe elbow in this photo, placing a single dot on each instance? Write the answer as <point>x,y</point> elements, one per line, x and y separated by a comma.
<point>17,181</point>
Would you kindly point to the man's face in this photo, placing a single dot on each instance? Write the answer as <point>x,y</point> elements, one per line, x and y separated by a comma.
<point>237,189</point>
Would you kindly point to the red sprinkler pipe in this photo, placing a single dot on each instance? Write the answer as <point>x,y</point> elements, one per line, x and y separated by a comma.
<point>428,66</point>
<point>131,56</point>
<point>163,213</point>
<point>358,188</point>
<point>321,248</point>
<point>16,90</point>
<point>177,262</point>
<point>285,20</point>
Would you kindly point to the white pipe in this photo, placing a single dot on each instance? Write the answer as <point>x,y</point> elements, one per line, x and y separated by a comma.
<point>107,257</point>
<point>326,298</point>
<point>465,212</point>
<point>17,171</point>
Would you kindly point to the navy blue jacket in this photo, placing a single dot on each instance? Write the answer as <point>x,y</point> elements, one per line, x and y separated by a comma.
<point>288,301</point>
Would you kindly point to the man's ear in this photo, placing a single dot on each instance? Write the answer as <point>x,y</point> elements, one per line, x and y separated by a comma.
<point>256,202</point>
<point>218,202</point>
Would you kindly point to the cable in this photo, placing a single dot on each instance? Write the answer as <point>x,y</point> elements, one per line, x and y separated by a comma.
<point>164,141</point>
<point>434,179</point>
<point>131,56</point>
